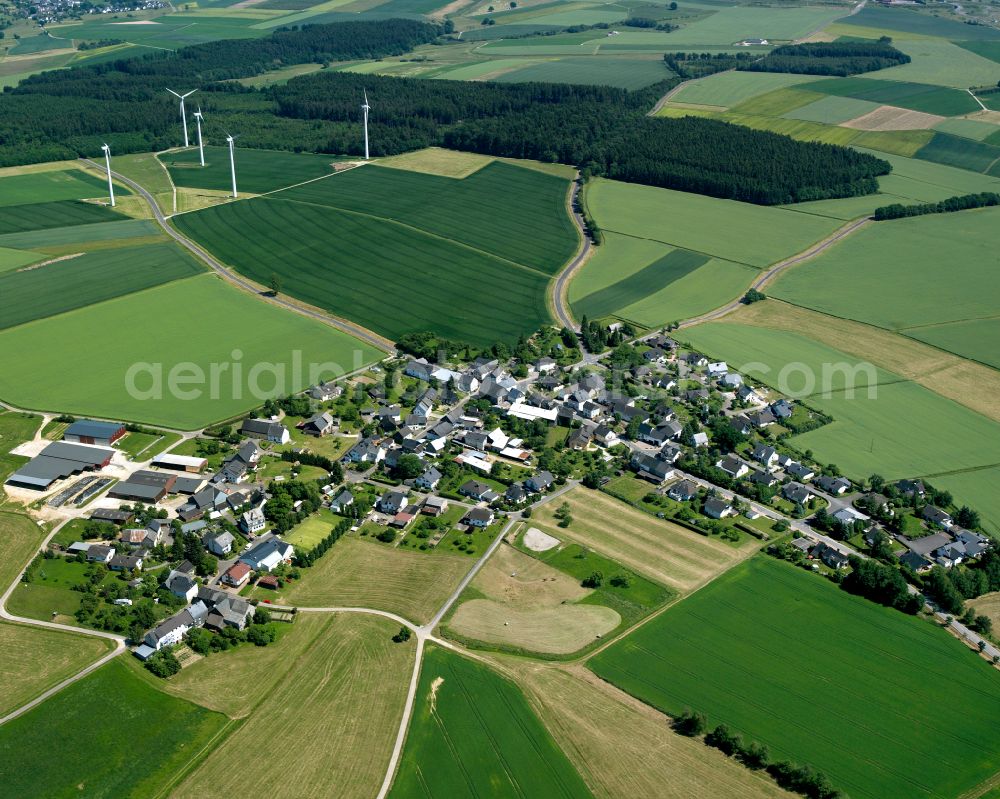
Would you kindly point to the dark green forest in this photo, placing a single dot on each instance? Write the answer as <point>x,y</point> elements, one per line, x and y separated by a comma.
<point>830,58</point>
<point>603,130</point>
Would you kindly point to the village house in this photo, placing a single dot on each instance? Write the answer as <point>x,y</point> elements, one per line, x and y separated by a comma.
<point>237,574</point>
<point>479,517</point>
<point>268,553</point>
<point>733,466</point>
<point>684,491</point>
<point>718,508</point>
<point>321,424</point>
<point>253,521</point>
<point>539,482</point>
<point>265,430</point>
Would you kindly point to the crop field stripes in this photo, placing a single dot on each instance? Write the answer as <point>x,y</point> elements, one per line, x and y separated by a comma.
<point>707,255</point>
<point>415,229</point>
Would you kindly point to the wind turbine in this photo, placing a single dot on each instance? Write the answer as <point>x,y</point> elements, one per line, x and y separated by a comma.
<point>232,161</point>
<point>107,164</point>
<point>366,108</point>
<point>201,147</point>
<point>184,122</point>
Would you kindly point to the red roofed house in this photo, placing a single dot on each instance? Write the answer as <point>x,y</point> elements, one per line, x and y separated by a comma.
<point>237,574</point>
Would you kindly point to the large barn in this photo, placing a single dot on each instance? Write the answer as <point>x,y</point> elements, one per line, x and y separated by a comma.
<point>88,431</point>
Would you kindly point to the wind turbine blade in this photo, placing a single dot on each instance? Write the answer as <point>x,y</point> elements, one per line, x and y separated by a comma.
<point>175,94</point>
<point>189,93</point>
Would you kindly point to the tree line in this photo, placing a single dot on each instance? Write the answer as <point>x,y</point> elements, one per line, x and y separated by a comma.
<point>603,130</point>
<point>830,58</point>
<point>959,203</point>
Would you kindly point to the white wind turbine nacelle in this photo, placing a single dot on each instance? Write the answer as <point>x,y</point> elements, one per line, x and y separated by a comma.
<point>184,123</point>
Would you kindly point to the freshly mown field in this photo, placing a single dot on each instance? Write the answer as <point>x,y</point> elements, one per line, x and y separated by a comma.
<point>102,757</point>
<point>61,286</point>
<point>332,714</point>
<point>473,734</point>
<point>75,363</point>
<point>35,659</point>
<point>756,235</point>
<point>469,259</point>
<point>873,430</point>
<point>915,96</point>
<point>356,573</point>
<point>750,649</point>
<point>861,278</point>
<point>662,551</point>
<point>257,171</point>
<point>622,749</point>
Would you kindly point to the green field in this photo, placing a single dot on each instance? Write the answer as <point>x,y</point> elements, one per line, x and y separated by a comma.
<point>959,152</point>
<point>625,73</point>
<point>732,88</point>
<point>170,31</point>
<point>976,488</point>
<point>916,96</point>
<point>906,21</point>
<point>199,321</point>
<point>868,434</point>
<point>11,259</point>
<point>44,215</point>
<point>50,187</point>
<point>941,63</point>
<point>91,278</point>
<point>473,734</point>
<point>756,235</point>
<point>81,234</point>
<point>257,171</point>
<point>978,339</point>
<point>15,429</point>
<point>832,110</point>
<point>968,128</point>
<point>469,258</point>
<point>100,710</point>
<point>752,648</point>
<point>313,530</point>
<point>861,277</point>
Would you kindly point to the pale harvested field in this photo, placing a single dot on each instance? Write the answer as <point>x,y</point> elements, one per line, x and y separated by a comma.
<point>48,166</point>
<point>356,573</point>
<point>438,161</point>
<point>234,682</point>
<point>624,748</point>
<point>662,551</point>
<point>888,117</point>
<point>988,605</point>
<point>971,384</point>
<point>34,659</point>
<point>524,607</point>
<point>327,728</point>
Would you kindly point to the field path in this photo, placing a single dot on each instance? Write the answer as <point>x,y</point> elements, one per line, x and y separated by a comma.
<point>364,334</point>
<point>769,274</point>
<point>560,288</point>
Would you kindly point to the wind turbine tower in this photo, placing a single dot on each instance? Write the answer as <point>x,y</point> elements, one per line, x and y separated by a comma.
<point>365,109</point>
<point>201,147</point>
<point>184,122</point>
<point>232,161</point>
<point>107,164</point>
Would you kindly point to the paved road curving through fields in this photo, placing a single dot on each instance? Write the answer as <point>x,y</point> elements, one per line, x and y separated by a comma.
<point>560,287</point>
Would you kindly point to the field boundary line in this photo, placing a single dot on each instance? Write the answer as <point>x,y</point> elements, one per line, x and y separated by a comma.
<point>682,247</point>
<point>370,337</point>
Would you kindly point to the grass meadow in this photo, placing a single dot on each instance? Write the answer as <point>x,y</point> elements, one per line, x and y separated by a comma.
<point>100,756</point>
<point>93,277</point>
<point>469,259</point>
<point>473,734</point>
<point>868,434</point>
<point>257,171</point>
<point>748,649</point>
<point>199,320</point>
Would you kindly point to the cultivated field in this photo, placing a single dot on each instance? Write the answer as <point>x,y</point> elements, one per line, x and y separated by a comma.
<point>438,161</point>
<point>750,649</point>
<point>92,711</point>
<point>473,734</point>
<point>978,339</point>
<point>332,714</point>
<point>257,171</point>
<point>51,186</point>
<point>625,73</point>
<point>941,63</point>
<point>873,430</point>
<point>357,573</point>
<point>208,321</point>
<point>727,89</point>
<point>624,748</point>
<point>355,244</point>
<point>15,429</point>
<point>44,215</point>
<point>660,550</point>
<point>916,96</point>
<point>36,659</point>
<point>55,286</point>
<point>987,605</point>
<point>518,601</point>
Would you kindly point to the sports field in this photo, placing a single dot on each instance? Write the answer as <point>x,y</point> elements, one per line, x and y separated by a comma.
<point>860,278</point>
<point>198,321</point>
<point>257,171</point>
<point>35,659</point>
<point>750,648</point>
<point>756,235</point>
<point>331,711</point>
<point>869,434</point>
<point>91,713</point>
<point>473,734</point>
<point>56,286</point>
<point>662,551</point>
<point>469,259</point>
<point>413,584</point>
<point>624,749</point>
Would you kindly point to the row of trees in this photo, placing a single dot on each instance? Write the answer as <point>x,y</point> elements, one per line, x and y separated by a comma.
<point>959,203</point>
<point>603,130</point>
<point>830,58</point>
